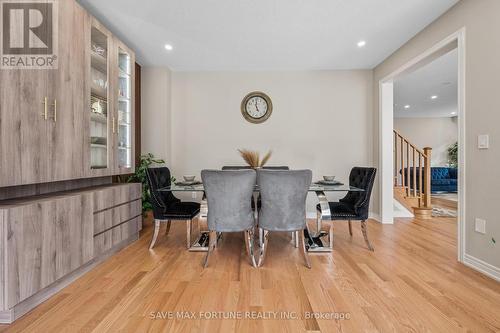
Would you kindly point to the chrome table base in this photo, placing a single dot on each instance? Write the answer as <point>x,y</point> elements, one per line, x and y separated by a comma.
<point>316,241</point>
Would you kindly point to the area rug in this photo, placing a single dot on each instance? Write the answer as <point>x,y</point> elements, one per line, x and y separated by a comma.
<point>443,212</point>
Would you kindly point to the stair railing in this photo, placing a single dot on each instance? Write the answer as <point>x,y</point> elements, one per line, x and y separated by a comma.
<point>412,170</point>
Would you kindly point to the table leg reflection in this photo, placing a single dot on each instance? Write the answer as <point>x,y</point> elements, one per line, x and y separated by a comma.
<point>320,240</point>
<point>200,243</point>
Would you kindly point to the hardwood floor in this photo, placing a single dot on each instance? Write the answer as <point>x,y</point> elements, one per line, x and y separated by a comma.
<point>411,283</point>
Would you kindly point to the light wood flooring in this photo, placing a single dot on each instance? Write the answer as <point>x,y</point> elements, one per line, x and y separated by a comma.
<point>411,283</point>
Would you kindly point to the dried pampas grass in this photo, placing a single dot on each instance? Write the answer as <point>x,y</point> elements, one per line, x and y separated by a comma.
<point>252,158</point>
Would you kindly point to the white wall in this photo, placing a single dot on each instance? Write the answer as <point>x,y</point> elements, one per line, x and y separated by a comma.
<point>437,133</point>
<point>155,111</point>
<point>321,120</point>
<point>482,108</point>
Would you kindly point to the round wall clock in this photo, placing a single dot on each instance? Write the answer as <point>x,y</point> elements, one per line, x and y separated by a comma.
<point>256,107</point>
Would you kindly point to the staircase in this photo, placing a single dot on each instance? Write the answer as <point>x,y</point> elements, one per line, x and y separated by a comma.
<point>412,176</point>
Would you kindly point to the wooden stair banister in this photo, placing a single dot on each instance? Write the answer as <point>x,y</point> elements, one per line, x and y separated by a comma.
<point>412,173</point>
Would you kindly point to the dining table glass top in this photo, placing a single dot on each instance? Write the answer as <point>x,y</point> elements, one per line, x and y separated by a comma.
<point>313,188</point>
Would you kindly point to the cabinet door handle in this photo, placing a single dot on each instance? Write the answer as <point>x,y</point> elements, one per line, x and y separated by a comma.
<point>55,110</point>
<point>44,114</point>
<point>113,124</point>
<point>118,126</point>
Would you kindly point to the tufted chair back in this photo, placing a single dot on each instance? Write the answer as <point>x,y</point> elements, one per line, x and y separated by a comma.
<point>228,191</point>
<point>158,178</point>
<point>361,178</point>
<point>283,196</point>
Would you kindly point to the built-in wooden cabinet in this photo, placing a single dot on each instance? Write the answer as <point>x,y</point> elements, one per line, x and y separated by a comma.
<point>44,239</point>
<point>73,121</point>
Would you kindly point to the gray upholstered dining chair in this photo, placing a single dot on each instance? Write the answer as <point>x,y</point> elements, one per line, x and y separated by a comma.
<point>255,199</point>
<point>283,195</point>
<point>229,209</point>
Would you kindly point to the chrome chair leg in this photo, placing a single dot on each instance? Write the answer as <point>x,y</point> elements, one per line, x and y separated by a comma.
<point>350,227</point>
<point>249,238</point>
<point>304,250</point>
<point>155,234</point>
<point>169,222</point>
<point>212,239</point>
<point>330,234</point>
<point>319,223</point>
<point>365,235</point>
<point>188,233</point>
<point>263,247</point>
<point>296,238</point>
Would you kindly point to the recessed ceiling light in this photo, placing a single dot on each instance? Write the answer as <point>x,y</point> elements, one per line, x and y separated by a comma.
<point>407,106</point>
<point>453,113</point>
<point>169,47</point>
<point>361,43</point>
<point>434,97</point>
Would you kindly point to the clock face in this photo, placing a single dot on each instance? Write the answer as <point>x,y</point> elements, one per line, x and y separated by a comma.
<point>256,107</point>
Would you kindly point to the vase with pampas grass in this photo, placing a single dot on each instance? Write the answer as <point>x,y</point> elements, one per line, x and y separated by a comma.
<point>252,158</point>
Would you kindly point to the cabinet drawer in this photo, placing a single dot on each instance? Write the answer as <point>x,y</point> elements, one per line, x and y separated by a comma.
<point>109,238</point>
<point>109,218</point>
<point>116,195</point>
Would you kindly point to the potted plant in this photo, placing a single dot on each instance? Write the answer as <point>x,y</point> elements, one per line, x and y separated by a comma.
<point>453,155</point>
<point>139,176</point>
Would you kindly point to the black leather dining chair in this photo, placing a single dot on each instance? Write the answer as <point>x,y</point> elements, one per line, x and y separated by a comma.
<point>236,167</point>
<point>355,205</point>
<point>166,207</point>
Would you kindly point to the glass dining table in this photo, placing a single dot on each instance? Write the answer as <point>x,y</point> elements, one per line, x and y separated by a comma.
<point>317,240</point>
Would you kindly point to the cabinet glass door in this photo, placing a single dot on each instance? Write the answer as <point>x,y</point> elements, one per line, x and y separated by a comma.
<point>124,146</point>
<point>99,115</point>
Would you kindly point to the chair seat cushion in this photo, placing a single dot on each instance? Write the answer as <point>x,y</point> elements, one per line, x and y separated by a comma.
<point>340,211</point>
<point>182,210</point>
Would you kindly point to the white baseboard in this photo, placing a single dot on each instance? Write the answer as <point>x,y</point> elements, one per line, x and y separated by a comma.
<point>482,266</point>
<point>375,216</point>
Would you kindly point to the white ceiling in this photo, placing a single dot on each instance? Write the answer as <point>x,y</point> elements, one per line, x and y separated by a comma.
<point>266,34</point>
<point>438,78</point>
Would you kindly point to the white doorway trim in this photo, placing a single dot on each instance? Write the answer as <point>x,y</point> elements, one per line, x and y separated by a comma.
<point>386,102</point>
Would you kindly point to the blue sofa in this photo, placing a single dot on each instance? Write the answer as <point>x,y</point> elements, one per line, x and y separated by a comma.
<point>443,179</point>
